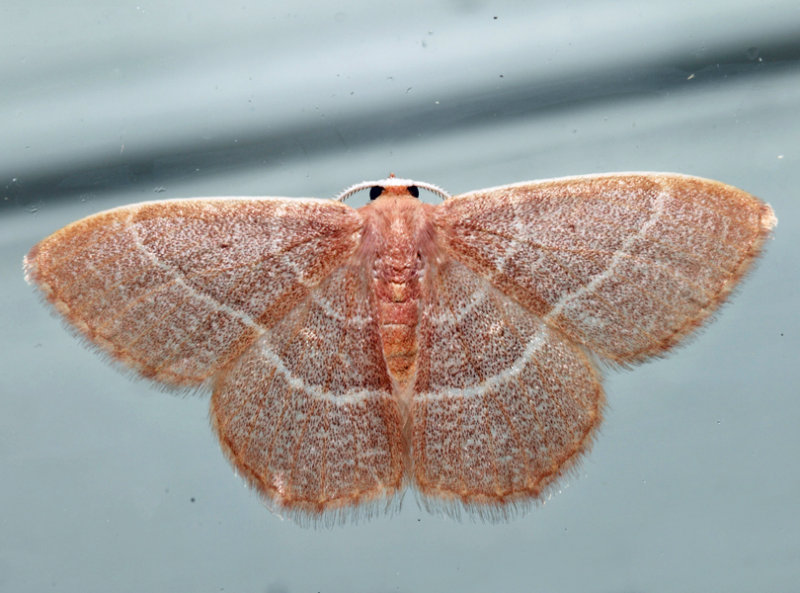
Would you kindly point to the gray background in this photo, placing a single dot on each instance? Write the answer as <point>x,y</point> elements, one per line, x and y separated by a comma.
<point>107,484</point>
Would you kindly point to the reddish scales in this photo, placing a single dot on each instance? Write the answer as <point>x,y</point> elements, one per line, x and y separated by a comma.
<point>350,351</point>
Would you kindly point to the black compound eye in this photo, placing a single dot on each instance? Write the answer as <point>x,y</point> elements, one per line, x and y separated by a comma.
<point>413,190</point>
<point>375,191</point>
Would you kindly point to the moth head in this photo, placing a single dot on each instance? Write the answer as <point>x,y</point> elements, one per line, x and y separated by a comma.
<point>377,191</point>
<point>392,186</point>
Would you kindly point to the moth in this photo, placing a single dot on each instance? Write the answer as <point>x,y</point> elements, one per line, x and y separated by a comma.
<point>453,347</point>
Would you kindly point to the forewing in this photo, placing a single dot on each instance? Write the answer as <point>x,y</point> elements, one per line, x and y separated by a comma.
<point>503,404</point>
<point>307,413</point>
<point>177,289</point>
<point>626,264</point>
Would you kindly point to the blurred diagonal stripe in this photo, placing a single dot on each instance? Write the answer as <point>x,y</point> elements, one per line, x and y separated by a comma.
<point>246,88</point>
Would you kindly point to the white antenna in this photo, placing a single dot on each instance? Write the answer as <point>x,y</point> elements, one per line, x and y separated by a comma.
<point>392,181</point>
